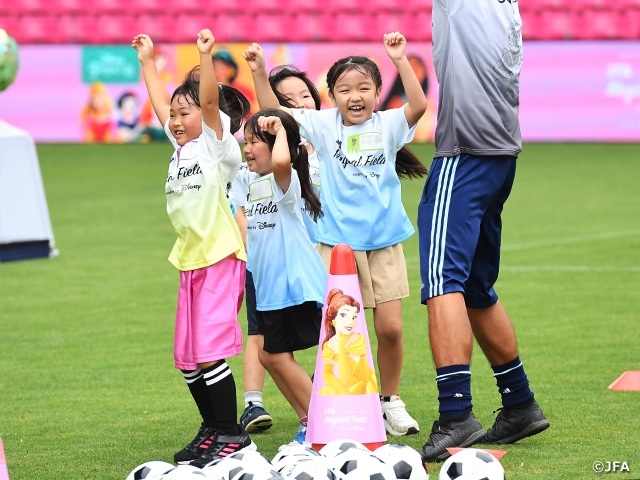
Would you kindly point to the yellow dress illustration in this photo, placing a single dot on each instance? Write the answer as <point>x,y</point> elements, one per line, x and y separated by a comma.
<point>345,349</point>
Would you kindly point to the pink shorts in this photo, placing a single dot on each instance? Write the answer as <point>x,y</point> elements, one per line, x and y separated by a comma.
<point>209,300</point>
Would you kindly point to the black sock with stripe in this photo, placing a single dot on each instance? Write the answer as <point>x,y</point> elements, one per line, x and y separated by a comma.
<point>200,393</point>
<point>222,391</point>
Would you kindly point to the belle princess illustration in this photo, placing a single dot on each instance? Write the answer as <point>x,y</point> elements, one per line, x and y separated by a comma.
<point>344,352</point>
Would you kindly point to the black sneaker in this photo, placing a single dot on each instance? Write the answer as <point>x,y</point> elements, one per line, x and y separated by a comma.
<point>451,434</point>
<point>255,419</point>
<point>197,446</point>
<point>224,445</point>
<point>513,425</point>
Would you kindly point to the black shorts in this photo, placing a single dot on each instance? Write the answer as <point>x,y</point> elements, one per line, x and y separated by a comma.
<point>290,329</point>
<point>250,304</point>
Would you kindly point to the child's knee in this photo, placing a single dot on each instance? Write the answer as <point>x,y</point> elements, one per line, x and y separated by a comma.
<point>390,331</point>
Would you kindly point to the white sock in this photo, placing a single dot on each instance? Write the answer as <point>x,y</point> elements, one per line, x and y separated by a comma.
<point>254,396</point>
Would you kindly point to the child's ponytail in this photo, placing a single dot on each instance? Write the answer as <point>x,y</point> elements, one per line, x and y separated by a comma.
<point>231,101</point>
<point>297,152</point>
<point>408,165</point>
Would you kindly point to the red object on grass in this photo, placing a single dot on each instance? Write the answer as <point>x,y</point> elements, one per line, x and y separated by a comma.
<point>496,453</point>
<point>629,381</point>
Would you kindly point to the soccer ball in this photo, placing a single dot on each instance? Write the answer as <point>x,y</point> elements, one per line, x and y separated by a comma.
<point>292,455</point>
<point>472,464</point>
<point>184,472</point>
<point>224,468</point>
<point>150,471</point>
<point>336,447</point>
<point>405,461</point>
<point>355,464</point>
<point>309,469</point>
<point>257,471</point>
<point>8,60</point>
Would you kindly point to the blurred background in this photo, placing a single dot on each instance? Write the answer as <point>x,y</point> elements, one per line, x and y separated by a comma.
<point>79,79</point>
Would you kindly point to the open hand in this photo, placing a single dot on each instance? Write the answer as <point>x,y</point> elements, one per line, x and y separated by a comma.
<point>143,44</point>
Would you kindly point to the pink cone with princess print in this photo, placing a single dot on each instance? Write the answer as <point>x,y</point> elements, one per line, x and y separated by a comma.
<point>345,400</point>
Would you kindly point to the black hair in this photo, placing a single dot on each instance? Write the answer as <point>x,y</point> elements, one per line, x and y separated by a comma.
<point>278,74</point>
<point>297,152</point>
<point>407,164</point>
<point>231,101</point>
<point>126,95</point>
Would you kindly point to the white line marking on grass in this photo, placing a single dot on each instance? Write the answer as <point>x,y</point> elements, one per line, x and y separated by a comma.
<point>567,268</point>
<point>570,240</point>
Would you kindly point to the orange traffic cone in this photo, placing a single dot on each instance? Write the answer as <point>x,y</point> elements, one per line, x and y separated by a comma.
<point>629,381</point>
<point>4,473</point>
<point>345,402</point>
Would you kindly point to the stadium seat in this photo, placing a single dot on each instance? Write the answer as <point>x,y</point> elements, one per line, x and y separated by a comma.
<point>416,27</point>
<point>268,27</point>
<point>110,6</point>
<point>261,6</point>
<point>554,25</point>
<point>304,27</point>
<point>191,6</point>
<point>629,4</point>
<point>116,28</point>
<point>11,23</point>
<point>71,6</point>
<point>532,28</point>
<point>339,6</point>
<point>352,27</point>
<point>150,6</point>
<point>542,5</point>
<point>629,25</point>
<point>594,25</point>
<point>384,22</point>
<point>86,30</point>
<point>229,27</point>
<point>187,26</point>
<point>417,6</point>
<point>45,29</point>
<point>308,6</point>
<point>146,23</point>
<point>26,7</point>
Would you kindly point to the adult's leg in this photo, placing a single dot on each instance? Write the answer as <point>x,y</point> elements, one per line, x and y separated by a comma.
<point>494,332</point>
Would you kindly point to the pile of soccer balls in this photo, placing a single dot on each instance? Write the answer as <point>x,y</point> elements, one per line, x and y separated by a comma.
<point>338,460</point>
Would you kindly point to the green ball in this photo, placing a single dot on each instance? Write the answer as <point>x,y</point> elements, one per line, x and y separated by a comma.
<point>8,60</point>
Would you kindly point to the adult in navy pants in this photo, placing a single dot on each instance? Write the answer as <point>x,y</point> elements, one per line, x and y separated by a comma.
<point>477,52</point>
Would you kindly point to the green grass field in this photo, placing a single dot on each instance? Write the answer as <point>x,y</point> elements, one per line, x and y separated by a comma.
<point>87,384</point>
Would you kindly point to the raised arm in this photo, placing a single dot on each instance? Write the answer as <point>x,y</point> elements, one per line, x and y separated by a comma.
<point>280,156</point>
<point>396,46</point>
<point>266,97</point>
<point>209,91</point>
<point>158,93</point>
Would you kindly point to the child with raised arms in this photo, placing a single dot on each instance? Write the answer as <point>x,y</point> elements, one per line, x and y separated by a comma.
<point>362,154</point>
<point>200,119</point>
<point>292,89</point>
<point>288,273</point>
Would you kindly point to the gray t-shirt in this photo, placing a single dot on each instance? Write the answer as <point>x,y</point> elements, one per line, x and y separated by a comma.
<point>477,52</point>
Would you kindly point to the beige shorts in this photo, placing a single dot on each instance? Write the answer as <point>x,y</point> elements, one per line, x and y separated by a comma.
<point>382,274</point>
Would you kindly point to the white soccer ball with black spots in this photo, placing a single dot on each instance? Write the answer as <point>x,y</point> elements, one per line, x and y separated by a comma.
<point>472,464</point>
<point>150,471</point>
<point>405,461</point>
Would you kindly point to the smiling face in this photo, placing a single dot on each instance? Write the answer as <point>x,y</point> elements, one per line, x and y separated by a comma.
<point>345,320</point>
<point>257,154</point>
<point>355,95</point>
<point>297,92</point>
<point>185,120</point>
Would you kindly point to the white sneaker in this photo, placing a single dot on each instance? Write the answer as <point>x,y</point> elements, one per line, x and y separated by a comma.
<point>396,419</point>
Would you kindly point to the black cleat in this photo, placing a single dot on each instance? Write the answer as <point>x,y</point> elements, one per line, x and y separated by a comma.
<point>451,434</point>
<point>223,446</point>
<point>197,446</point>
<point>513,425</point>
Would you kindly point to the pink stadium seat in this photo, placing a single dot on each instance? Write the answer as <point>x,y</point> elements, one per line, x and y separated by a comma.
<point>417,6</point>
<point>541,5</point>
<point>187,26</point>
<point>532,28</point>
<point>594,25</point>
<point>272,6</point>
<point>264,27</point>
<point>191,6</point>
<point>26,7</point>
<point>227,27</point>
<point>45,29</point>
<point>328,27</point>
<point>116,28</point>
<point>629,4</point>
<point>352,27</point>
<point>304,27</point>
<point>71,6</point>
<point>11,23</point>
<point>629,25</point>
<point>554,25</point>
<point>111,6</point>
<point>87,29</point>
<point>339,6</point>
<point>146,23</point>
<point>384,22</point>
<point>416,27</point>
<point>150,6</point>
<point>308,6</point>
